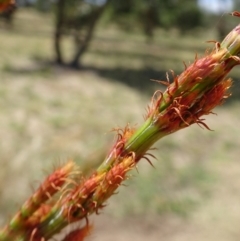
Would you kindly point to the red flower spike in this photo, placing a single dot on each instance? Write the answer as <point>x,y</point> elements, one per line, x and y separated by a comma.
<point>32,209</point>
<point>114,178</point>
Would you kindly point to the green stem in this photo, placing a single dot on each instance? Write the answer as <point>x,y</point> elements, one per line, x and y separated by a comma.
<point>138,143</point>
<point>53,224</point>
<point>144,138</point>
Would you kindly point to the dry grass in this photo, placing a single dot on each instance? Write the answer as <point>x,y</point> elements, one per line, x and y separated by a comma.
<point>49,114</point>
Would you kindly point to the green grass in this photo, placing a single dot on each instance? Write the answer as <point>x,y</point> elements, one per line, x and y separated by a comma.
<point>49,114</point>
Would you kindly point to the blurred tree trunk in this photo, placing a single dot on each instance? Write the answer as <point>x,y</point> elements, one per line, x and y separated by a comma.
<point>60,5</point>
<point>82,41</point>
<point>72,20</point>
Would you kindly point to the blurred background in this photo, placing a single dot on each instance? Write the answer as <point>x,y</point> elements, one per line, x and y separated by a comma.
<point>71,70</point>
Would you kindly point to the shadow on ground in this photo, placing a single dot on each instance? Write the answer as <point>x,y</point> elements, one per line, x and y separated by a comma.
<point>142,79</point>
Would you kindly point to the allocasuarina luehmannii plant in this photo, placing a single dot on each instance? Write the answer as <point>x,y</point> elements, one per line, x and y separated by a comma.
<point>67,196</point>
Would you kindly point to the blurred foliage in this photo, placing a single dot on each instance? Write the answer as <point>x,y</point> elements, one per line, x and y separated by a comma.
<point>77,19</point>
<point>148,15</point>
